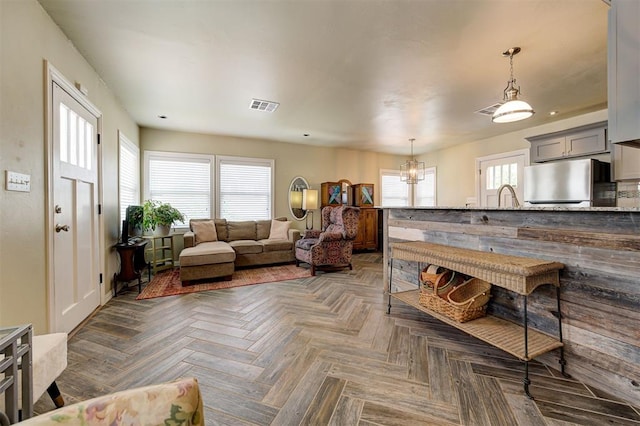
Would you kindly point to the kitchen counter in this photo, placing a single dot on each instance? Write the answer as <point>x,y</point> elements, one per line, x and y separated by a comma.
<point>600,289</point>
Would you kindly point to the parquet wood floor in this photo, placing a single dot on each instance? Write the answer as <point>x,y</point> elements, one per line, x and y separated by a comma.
<point>320,351</point>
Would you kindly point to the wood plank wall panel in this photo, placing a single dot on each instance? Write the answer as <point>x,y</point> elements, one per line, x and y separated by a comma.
<point>600,285</point>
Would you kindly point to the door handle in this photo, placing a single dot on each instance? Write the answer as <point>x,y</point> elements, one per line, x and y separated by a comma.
<point>64,228</point>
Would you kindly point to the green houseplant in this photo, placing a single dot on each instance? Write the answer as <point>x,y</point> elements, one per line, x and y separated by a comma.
<point>159,215</point>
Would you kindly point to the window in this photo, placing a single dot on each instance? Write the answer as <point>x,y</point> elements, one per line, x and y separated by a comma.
<point>182,180</point>
<point>501,174</point>
<point>425,195</point>
<point>129,175</point>
<point>393,192</point>
<point>396,193</point>
<point>245,188</point>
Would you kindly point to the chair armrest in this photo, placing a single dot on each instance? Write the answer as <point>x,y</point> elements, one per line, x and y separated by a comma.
<point>312,233</point>
<point>189,239</point>
<point>331,236</point>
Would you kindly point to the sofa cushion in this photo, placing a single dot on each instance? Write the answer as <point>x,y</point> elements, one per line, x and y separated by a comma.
<point>276,245</point>
<point>241,230</point>
<point>263,227</point>
<point>207,254</point>
<point>279,230</point>
<point>246,246</point>
<point>205,231</point>
<point>221,227</point>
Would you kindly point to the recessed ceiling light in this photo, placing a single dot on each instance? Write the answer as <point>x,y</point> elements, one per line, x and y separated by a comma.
<point>553,112</point>
<point>261,105</point>
<point>164,117</point>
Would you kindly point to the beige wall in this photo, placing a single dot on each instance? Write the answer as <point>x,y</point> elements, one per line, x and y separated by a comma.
<point>455,167</point>
<point>27,37</point>
<point>315,164</point>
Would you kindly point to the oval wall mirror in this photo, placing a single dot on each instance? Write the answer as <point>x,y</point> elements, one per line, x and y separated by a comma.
<point>295,197</point>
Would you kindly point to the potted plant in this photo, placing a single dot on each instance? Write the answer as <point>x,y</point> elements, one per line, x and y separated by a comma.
<point>159,217</point>
<point>135,216</point>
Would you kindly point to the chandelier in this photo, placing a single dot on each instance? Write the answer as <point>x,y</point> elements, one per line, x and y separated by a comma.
<point>412,171</point>
<point>513,109</point>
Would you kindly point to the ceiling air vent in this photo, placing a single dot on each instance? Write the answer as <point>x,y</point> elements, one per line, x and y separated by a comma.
<point>490,109</point>
<point>266,106</point>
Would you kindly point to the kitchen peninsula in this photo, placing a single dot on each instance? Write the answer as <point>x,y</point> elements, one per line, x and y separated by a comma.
<point>599,285</point>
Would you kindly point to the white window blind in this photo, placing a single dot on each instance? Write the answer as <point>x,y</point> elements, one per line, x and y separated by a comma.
<point>128,174</point>
<point>426,189</point>
<point>182,180</point>
<point>394,192</point>
<point>245,188</point>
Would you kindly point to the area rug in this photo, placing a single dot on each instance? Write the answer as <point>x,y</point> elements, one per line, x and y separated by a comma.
<point>168,283</point>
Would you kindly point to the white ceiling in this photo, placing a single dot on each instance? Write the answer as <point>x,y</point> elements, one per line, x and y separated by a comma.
<point>360,74</point>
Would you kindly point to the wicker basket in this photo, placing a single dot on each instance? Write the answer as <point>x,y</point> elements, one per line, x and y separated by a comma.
<point>464,303</point>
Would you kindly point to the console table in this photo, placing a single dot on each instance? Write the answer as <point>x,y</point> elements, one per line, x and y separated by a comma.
<point>521,275</point>
<point>15,349</point>
<point>132,263</point>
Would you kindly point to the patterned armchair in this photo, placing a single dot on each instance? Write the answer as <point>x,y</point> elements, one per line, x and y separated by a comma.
<point>331,247</point>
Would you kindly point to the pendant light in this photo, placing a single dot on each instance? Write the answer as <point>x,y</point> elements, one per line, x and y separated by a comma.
<point>513,109</point>
<point>412,171</point>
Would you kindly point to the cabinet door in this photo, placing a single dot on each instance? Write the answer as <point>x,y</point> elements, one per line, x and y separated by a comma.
<point>367,237</point>
<point>626,162</point>
<point>623,71</point>
<point>547,149</point>
<point>586,142</point>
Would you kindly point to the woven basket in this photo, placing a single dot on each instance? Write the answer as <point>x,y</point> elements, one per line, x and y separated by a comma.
<point>430,274</point>
<point>462,310</point>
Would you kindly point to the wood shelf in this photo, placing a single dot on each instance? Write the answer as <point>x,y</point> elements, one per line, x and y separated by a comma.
<point>495,331</point>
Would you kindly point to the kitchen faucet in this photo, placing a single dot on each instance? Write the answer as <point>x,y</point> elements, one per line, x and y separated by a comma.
<point>514,199</point>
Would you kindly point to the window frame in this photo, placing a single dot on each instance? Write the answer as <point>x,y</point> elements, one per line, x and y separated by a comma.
<point>126,144</point>
<point>250,161</point>
<point>176,156</point>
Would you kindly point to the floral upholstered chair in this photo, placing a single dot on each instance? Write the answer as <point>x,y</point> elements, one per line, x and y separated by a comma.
<point>175,403</point>
<point>333,246</point>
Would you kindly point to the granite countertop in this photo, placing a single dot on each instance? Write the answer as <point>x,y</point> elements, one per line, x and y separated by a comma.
<point>563,209</point>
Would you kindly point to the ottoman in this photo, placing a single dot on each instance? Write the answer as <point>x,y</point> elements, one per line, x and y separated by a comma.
<point>207,260</point>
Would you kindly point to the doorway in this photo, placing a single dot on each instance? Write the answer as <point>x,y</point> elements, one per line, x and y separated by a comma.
<point>495,170</point>
<point>73,250</point>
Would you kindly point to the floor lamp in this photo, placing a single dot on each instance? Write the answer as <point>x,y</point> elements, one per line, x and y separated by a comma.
<point>309,204</point>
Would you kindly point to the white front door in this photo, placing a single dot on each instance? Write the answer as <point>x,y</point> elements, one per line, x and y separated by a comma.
<point>496,170</point>
<point>74,179</point>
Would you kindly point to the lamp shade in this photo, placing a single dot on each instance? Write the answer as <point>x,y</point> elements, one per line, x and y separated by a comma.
<point>309,199</point>
<point>296,199</point>
<point>514,110</point>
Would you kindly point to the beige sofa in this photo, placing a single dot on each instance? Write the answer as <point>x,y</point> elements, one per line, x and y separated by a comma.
<point>215,247</point>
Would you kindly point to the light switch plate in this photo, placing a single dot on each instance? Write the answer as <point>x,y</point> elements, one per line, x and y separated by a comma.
<point>17,181</point>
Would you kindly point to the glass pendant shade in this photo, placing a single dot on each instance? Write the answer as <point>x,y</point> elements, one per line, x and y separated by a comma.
<point>512,111</point>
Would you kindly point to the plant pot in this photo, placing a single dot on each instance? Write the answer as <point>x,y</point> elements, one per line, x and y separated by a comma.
<point>162,230</point>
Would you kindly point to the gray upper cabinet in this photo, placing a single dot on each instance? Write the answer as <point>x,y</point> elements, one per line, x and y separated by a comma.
<point>580,141</point>
<point>626,162</point>
<point>624,71</point>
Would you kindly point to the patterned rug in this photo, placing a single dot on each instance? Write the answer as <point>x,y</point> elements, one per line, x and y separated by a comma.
<point>168,283</point>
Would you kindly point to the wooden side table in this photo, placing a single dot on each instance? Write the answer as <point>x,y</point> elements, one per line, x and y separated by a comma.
<point>160,252</point>
<point>132,263</point>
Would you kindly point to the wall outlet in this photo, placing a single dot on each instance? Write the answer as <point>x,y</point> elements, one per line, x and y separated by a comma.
<point>17,181</point>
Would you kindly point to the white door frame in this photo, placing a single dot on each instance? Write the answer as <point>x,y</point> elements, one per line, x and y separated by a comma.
<point>478,184</point>
<point>53,75</point>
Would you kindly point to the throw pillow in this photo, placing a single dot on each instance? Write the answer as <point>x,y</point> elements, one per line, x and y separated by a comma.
<point>205,231</point>
<point>279,230</point>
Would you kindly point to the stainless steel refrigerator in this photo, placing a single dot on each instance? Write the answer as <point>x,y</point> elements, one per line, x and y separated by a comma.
<point>569,183</point>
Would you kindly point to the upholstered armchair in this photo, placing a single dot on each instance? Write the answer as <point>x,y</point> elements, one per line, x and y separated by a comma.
<point>332,247</point>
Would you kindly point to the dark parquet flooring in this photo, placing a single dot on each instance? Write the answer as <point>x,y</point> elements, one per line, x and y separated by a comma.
<point>320,351</point>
